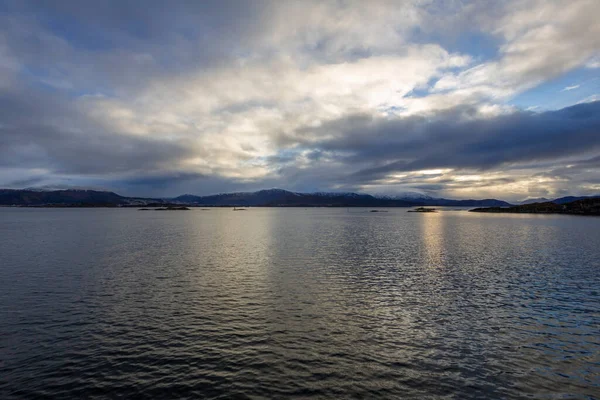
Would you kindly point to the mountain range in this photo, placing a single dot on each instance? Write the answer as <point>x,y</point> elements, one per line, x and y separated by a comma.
<point>261,198</point>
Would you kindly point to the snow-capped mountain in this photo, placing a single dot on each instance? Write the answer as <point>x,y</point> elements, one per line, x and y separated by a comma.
<point>405,196</point>
<point>337,194</point>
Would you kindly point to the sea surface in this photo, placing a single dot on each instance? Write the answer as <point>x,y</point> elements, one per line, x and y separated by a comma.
<point>274,303</point>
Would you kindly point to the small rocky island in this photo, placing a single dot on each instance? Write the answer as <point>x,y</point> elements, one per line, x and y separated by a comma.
<point>423,210</point>
<point>578,207</point>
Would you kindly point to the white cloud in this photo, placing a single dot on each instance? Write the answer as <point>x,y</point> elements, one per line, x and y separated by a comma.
<point>589,99</point>
<point>541,41</point>
<point>568,88</point>
<point>247,106</point>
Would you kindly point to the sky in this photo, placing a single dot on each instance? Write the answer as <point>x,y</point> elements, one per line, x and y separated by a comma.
<point>459,99</point>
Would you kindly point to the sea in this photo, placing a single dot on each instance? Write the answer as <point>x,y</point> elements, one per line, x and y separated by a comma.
<point>306,303</point>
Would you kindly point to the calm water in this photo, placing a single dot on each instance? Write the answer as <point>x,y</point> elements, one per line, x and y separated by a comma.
<point>304,303</point>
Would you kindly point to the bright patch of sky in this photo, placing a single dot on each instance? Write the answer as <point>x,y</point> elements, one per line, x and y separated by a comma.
<point>564,91</point>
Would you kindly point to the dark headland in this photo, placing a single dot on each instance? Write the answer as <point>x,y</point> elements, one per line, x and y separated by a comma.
<point>578,207</point>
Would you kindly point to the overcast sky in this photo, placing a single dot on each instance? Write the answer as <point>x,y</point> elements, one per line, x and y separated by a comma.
<point>462,99</point>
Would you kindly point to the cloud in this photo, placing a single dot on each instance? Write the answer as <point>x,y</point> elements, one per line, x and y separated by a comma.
<point>594,62</point>
<point>590,99</point>
<point>541,41</point>
<point>43,131</point>
<point>567,88</point>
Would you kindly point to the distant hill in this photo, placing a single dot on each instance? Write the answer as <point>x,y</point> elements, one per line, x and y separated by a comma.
<point>569,199</point>
<point>70,197</point>
<point>538,200</point>
<point>465,203</point>
<point>587,206</point>
<point>425,200</point>
<point>560,200</point>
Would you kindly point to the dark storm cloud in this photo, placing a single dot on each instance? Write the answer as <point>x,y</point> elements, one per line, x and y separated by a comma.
<point>449,140</point>
<point>40,130</point>
<point>24,183</point>
<point>161,179</point>
<point>590,163</point>
<point>121,23</point>
<point>119,46</point>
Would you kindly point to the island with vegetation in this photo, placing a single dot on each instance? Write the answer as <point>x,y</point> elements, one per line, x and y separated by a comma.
<point>589,206</point>
<point>423,210</point>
